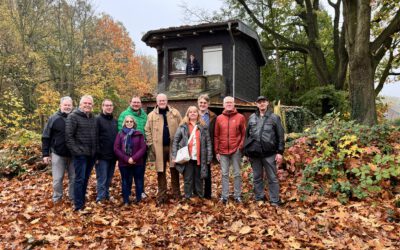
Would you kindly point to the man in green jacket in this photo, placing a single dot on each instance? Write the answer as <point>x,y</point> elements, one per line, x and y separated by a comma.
<point>135,110</point>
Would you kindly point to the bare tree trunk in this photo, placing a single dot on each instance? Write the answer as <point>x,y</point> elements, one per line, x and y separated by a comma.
<point>357,15</point>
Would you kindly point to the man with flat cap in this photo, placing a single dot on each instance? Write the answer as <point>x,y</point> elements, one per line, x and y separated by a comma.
<point>266,127</point>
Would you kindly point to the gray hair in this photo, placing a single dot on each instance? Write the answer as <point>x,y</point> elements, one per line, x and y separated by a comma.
<point>65,98</point>
<point>162,94</point>
<point>85,97</point>
<point>229,98</point>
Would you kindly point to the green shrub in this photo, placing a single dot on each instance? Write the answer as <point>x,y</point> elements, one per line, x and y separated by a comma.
<point>18,152</point>
<point>396,122</point>
<point>351,161</point>
<point>297,118</point>
<point>326,99</point>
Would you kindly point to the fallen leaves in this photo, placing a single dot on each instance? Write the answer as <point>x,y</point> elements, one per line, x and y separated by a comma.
<point>28,219</point>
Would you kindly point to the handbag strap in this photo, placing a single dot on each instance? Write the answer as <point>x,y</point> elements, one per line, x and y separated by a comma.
<point>192,134</point>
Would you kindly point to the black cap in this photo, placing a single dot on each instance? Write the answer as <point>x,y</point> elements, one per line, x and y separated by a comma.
<point>261,97</point>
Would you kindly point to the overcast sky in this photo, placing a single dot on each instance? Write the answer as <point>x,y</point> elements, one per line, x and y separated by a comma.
<point>140,16</point>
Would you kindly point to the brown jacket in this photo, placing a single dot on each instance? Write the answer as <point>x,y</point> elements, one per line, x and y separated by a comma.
<point>154,133</point>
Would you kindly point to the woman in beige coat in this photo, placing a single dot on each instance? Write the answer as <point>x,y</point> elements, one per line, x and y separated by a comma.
<point>160,129</point>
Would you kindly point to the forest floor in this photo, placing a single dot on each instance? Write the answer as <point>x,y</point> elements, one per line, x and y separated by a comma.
<point>30,220</point>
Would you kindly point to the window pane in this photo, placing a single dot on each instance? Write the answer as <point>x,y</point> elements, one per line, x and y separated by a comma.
<point>178,59</point>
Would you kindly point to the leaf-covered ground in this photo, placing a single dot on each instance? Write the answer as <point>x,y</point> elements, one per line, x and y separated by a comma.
<point>29,220</point>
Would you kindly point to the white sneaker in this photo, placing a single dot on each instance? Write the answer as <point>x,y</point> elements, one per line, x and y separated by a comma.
<point>144,195</point>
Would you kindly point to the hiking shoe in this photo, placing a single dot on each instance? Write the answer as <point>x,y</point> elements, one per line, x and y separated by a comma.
<point>263,199</point>
<point>277,204</point>
<point>144,195</point>
<point>224,201</point>
<point>238,200</point>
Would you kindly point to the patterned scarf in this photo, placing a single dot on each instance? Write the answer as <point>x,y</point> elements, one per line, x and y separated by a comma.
<point>128,140</point>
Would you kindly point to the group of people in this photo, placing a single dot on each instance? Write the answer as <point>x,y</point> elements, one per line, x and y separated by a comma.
<point>76,141</point>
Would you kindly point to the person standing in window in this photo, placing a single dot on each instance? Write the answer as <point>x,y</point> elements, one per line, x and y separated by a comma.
<point>193,66</point>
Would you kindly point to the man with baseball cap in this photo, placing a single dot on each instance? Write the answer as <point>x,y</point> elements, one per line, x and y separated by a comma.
<point>266,127</point>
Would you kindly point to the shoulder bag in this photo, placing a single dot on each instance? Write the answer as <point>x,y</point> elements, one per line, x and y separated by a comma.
<point>182,156</point>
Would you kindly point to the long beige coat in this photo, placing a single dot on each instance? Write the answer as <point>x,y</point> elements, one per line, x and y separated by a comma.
<point>154,133</point>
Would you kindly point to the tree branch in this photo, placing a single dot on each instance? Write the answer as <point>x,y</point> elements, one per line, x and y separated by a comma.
<point>385,74</point>
<point>269,30</point>
<point>392,28</point>
<point>286,48</point>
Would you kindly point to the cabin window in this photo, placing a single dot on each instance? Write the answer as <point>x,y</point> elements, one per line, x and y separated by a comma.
<point>212,60</point>
<point>177,62</point>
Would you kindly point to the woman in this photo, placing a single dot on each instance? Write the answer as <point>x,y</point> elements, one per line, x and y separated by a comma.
<point>192,66</point>
<point>200,151</point>
<point>129,147</point>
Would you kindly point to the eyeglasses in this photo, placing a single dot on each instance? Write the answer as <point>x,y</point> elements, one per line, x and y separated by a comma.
<point>129,122</point>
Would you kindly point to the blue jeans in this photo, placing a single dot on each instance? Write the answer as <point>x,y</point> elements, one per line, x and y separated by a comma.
<point>129,173</point>
<point>104,174</point>
<point>83,167</point>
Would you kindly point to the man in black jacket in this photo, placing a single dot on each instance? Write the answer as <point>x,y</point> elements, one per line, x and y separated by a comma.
<point>107,129</point>
<point>267,128</point>
<point>55,150</point>
<point>80,131</point>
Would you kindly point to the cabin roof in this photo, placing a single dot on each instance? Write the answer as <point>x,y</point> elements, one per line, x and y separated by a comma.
<point>155,38</point>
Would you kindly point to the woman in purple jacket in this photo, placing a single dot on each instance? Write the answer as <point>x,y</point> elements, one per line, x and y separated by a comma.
<point>130,148</point>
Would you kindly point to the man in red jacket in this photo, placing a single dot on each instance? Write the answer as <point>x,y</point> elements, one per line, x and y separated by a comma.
<point>230,131</point>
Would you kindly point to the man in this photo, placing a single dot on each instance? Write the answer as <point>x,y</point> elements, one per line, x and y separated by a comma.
<point>230,129</point>
<point>107,129</point>
<point>81,140</point>
<point>135,109</point>
<point>55,150</point>
<point>272,141</point>
<point>209,117</point>
<point>160,128</point>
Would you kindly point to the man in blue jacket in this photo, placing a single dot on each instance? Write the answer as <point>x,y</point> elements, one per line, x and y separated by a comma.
<point>55,151</point>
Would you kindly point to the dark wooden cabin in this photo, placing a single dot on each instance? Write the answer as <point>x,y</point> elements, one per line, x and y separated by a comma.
<point>229,54</point>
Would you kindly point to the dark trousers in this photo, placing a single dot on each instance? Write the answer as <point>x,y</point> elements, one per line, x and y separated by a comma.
<point>128,174</point>
<point>265,165</point>
<point>104,174</point>
<point>83,167</point>
<point>162,179</point>
<point>207,183</point>
<point>192,180</point>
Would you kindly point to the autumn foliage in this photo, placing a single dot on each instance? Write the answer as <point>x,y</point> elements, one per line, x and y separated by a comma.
<point>310,219</point>
<point>112,70</point>
<point>50,49</point>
